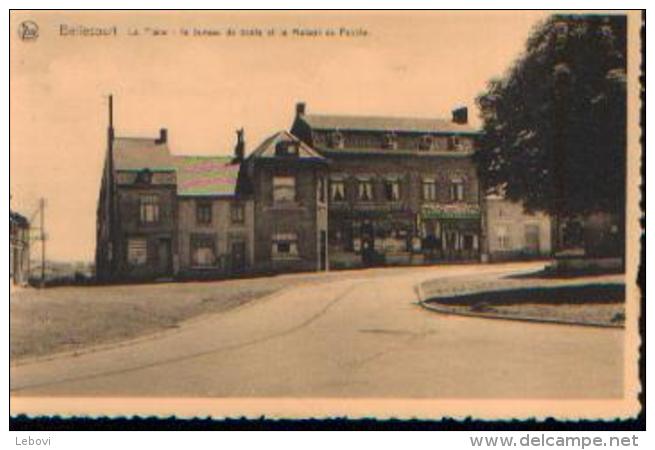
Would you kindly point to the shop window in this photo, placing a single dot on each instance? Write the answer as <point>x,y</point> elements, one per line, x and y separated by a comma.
<point>137,252</point>
<point>285,245</point>
<point>149,208</point>
<point>365,190</point>
<point>203,213</point>
<point>284,189</point>
<point>337,190</point>
<point>468,242</point>
<point>429,190</point>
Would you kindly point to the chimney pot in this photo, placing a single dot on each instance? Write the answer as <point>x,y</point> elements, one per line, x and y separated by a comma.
<point>163,136</point>
<point>240,147</point>
<point>460,115</point>
<point>301,107</point>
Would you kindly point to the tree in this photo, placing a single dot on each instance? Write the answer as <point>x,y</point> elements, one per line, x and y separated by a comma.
<point>554,133</point>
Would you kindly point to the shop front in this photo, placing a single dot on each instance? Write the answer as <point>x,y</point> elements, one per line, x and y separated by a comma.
<point>450,232</point>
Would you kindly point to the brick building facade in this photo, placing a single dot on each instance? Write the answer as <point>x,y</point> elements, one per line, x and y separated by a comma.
<point>401,190</point>
<point>162,216</point>
<point>335,192</point>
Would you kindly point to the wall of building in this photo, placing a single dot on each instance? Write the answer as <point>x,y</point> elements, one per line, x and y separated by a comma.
<point>515,234</point>
<point>222,230</point>
<point>401,215</point>
<point>299,217</point>
<point>156,234</point>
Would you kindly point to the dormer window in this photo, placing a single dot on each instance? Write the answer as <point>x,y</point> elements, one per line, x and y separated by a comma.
<point>454,143</point>
<point>426,142</point>
<point>336,139</point>
<point>286,148</point>
<point>144,177</point>
<point>389,141</point>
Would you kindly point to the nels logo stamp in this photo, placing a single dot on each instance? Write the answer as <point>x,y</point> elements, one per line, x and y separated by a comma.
<point>28,30</point>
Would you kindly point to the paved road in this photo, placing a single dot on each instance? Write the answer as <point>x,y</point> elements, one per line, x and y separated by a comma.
<point>361,336</point>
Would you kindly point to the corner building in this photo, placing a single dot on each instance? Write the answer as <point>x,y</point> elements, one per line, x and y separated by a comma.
<point>401,190</point>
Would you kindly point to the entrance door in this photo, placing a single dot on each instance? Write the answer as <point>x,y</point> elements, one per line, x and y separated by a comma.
<point>532,239</point>
<point>164,256</point>
<point>368,243</point>
<point>238,256</point>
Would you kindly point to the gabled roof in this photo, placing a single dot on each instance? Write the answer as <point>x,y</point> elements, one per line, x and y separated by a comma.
<point>206,175</point>
<point>267,149</point>
<point>135,153</point>
<point>387,124</point>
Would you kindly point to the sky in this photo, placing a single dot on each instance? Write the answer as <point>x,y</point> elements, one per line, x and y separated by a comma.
<point>202,88</point>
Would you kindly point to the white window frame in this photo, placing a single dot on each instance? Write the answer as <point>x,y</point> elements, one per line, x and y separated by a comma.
<point>457,190</point>
<point>137,251</point>
<point>365,189</point>
<point>284,188</point>
<point>149,208</point>
<point>337,186</point>
<point>429,189</point>
<point>287,239</point>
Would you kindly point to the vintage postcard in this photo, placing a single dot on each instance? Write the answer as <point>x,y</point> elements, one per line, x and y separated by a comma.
<point>314,214</point>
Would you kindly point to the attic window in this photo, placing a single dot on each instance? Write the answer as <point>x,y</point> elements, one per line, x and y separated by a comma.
<point>286,148</point>
<point>144,176</point>
<point>389,141</point>
<point>426,142</point>
<point>336,139</point>
<point>454,143</point>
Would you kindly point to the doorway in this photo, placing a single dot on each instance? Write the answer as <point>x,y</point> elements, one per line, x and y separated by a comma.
<point>238,256</point>
<point>164,256</point>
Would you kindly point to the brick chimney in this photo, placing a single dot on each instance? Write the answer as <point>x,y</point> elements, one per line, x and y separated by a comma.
<point>163,136</point>
<point>461,115</point>
<point>240,147</point>
<point>300,109</point>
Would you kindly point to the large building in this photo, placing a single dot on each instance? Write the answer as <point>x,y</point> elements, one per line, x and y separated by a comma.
<point>513,233</point>
<point>401,190</point>
<point>335,191</point>
<point>162,215</point>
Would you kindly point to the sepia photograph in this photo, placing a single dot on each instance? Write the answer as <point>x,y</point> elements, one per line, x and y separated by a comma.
<point>318,214</point>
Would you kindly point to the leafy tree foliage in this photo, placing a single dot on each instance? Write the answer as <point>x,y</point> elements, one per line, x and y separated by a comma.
<point>555,125</point>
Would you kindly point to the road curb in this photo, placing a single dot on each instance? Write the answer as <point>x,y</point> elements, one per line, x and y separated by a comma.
<point>435,307</point>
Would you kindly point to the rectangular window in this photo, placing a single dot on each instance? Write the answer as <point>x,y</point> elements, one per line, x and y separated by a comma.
<point>454,143</point>
<point>149,208</point>
<point>284,189</point>
<point>503,237</point>
<point>137,252</point>
<point>429,190</point>
<point>285,246</point>
<point>392,190</point>
<point>337,190</point>
<point>237,213</point>
<point>203,213</point>
<point>457,191</point>
<point>365,190</point>
<point>203,251</point>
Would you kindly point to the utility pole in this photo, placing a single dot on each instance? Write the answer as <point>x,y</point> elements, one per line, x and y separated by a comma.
<point>43,239</point>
